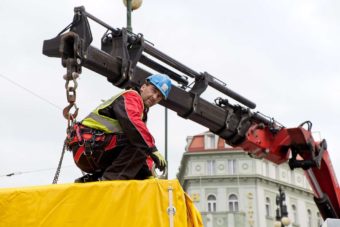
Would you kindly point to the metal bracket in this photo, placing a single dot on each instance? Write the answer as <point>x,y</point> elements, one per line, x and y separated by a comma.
<point>242,128</point>
<point>314,151</point>
<point>201,84</point>
<point>128,48</point>
<point>306,164</point>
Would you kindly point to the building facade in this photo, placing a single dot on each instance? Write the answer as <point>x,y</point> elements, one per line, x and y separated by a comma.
<point>230,188</point>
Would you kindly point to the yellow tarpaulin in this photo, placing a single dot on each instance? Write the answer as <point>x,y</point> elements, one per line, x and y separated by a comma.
<point>109,203</point>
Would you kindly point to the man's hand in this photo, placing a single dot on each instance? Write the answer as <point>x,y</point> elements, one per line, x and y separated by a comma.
<point>159,160</point>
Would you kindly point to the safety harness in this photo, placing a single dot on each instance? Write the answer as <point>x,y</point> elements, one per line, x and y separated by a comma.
<point>85,141</point>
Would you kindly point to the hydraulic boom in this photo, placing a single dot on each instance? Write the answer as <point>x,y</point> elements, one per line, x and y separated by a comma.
<point>260,136</point>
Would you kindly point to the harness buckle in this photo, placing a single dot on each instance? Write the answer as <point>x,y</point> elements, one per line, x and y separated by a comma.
<point>89,145</point>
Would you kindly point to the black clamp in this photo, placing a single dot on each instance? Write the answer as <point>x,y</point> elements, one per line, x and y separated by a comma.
<point>316,156</point>
<point>201,84</point>
<point>128,47</point>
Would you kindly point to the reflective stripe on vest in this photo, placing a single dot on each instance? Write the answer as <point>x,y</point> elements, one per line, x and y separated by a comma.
<point>106,124</point>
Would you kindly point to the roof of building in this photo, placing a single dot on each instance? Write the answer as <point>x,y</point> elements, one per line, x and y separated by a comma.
<point>197,143</point>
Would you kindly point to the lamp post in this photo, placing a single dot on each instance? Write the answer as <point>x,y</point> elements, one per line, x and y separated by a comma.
<point>131,5</point>
<point>166,138</point>
<point>281,210</point>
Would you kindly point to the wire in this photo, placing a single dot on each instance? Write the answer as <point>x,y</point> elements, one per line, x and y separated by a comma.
<point>30,91</point>
<point>46,101</point>
<point>31,171</point>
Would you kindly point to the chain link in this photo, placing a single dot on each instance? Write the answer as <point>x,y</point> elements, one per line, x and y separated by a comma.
<point>56,175</point>
<point>71,87</point>
<point>71,96</point>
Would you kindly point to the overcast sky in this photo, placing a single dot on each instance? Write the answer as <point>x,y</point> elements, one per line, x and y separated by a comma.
<point>283,55</point>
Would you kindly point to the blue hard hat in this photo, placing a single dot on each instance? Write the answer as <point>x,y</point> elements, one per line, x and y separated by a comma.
<point>162,82</point>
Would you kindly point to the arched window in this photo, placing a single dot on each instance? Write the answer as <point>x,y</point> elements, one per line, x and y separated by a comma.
<point>211,203</point>
<point>309,218</point>
<point>295,216</point>
<point>233,203</point>
<point>268,207</point>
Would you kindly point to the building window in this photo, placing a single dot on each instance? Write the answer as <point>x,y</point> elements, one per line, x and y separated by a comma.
<point>232,166</point>
<point>211,203</point>
<point>233,203</point>
<point>295,219</point>
<point>266,169</point>
<point>209,142</point>
<point>319,219</point>
<point>268,207</point>
<point>211,167</point>
<point>292,177</point>
<point>277,173</point>
<point>309,218</point>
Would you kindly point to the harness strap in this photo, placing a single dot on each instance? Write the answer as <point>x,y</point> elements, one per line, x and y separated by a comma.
<point>80,134</point>
<point>85,140</point>
<point>79,152</point>
<point>86,149</point>
<point>112,144</point>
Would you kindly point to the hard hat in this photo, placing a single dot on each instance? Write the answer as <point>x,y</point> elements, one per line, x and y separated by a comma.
<point>162,82</point>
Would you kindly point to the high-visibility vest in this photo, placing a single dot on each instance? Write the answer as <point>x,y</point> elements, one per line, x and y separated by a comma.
<point>106,124</point>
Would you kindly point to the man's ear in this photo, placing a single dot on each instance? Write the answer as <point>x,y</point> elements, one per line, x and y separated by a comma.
<point>142,87</point>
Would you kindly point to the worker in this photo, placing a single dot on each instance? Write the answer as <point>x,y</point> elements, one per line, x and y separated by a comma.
<point>113,141</point>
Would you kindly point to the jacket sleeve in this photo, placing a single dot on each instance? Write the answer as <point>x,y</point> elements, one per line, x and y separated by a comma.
<point>128,110</point>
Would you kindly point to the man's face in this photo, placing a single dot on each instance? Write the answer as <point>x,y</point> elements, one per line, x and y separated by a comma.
<point>150,95</point>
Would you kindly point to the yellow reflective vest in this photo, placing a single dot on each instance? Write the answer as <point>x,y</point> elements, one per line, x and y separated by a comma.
<point>100,122</point>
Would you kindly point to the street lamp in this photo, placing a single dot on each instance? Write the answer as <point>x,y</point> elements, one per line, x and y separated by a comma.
<point>281,210</point>
<point>131,5</point>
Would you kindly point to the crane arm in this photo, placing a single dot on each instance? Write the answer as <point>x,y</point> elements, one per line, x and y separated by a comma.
<point>258,135</point>
<point>297,146</point>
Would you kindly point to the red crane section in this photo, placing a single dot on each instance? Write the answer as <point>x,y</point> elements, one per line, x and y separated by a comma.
<point>297,146</point>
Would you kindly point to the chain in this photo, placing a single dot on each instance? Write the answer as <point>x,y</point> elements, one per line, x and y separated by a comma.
<point>71,87</point>
<point>56,175</point>
<point>71,96</point>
